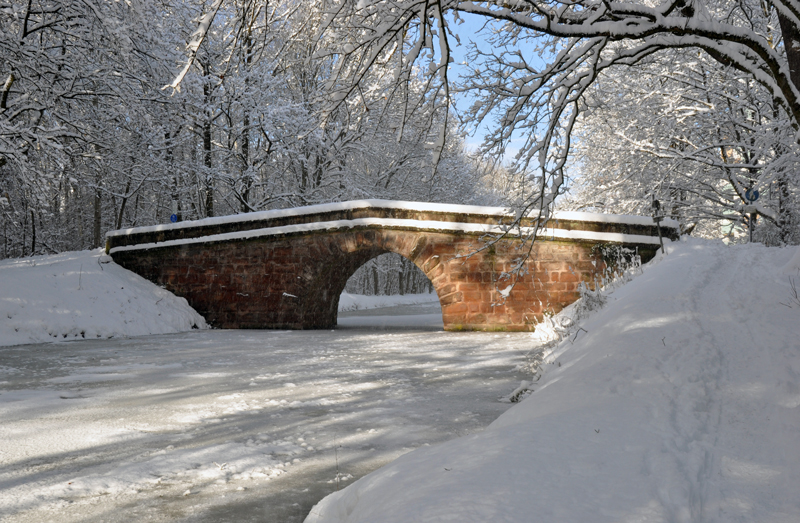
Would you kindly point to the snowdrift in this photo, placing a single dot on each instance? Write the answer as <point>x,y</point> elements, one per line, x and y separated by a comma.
<point>77,295</point>
<point>678,401</point>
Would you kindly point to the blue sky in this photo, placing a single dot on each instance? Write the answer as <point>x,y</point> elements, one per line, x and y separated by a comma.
<point>470,32</point>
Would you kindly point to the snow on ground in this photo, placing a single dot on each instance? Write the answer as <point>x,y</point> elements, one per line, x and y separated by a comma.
<point>232,426</point>
<point>213,425</point>
<point>356,302</point>
<point>679,401</point>
<point>83,295</point>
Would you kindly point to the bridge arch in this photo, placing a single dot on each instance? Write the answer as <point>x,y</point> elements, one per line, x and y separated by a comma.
<point>287,268</point>
<point>346,253</point>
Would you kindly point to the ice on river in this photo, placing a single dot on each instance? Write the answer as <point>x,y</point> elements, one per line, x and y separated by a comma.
<point>679,401</point>
<point>235,425</point>
<point>217,425</point>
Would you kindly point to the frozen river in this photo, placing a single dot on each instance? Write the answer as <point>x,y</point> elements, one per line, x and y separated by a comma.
<point>238,426</point>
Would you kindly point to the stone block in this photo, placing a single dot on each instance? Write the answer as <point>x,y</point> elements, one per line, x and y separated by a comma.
<point>472,296</point>
<point>455,308</point>
<point>448,289</point>
<point>567,276</point>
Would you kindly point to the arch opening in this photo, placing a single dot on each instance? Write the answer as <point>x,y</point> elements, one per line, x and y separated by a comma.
<point>335,257</point>
<point>389,291</point>
<point>388,274</point>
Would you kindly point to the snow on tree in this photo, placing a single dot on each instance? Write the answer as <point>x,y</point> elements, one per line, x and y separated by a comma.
<point>91,141</point>
<point>543,57</point>
<point>694,134</point>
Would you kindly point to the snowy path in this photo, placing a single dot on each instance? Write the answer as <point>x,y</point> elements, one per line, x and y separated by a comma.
<point>704,384</point>
<point>250,423</point>
<point>678,402</point>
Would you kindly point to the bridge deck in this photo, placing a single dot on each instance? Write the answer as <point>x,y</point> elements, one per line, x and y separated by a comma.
<point>420,216</point>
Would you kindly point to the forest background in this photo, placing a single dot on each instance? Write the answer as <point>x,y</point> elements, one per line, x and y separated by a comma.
<point>121,113</point>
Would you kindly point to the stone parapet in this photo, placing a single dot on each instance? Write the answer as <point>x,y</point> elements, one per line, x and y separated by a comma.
<point>383,210</point>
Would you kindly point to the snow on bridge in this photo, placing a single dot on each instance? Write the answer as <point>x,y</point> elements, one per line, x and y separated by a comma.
<point>286,268</point>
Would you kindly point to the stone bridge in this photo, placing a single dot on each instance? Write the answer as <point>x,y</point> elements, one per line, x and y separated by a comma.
<point>285,269</point>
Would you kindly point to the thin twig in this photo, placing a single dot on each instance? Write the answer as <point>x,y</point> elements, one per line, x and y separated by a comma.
<point>576,334</point>
<point>794,294</point>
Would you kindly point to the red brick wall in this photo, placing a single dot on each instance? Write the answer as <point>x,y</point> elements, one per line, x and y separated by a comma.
<point>295,281</point>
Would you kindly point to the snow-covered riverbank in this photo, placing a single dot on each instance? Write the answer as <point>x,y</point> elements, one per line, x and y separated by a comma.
<point>84,295</point>
<point>677,402</point>
<point>357,302</point>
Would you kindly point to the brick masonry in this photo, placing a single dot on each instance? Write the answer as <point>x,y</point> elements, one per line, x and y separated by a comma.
<point>294,281</point>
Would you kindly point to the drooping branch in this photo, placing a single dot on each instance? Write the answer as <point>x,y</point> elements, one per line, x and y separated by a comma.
<point>196,40</point>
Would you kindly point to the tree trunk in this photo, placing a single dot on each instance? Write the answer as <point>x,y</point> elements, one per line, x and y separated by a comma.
<point>247,182</point>
<point>791,42</point>
<point>98,215</point>
<point>122,205</point>
<point>170,157</point>
<point>401,280</point>
<point>207,162</point>
<point>24,230</point>
<point>33,234</point>
<point>375,283</point>
<point>209,175</point>
<point>784,212</point>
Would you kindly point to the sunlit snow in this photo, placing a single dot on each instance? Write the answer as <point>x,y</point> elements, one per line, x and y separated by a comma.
<point>678,403</point>
<point>208,425</point>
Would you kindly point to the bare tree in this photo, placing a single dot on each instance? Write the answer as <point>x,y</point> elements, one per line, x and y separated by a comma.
<point>693,133</point>
<point>544,57</point>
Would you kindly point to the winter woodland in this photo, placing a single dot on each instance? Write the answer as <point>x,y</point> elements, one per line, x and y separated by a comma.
<point>120,114</point>
<point>117,114</point>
